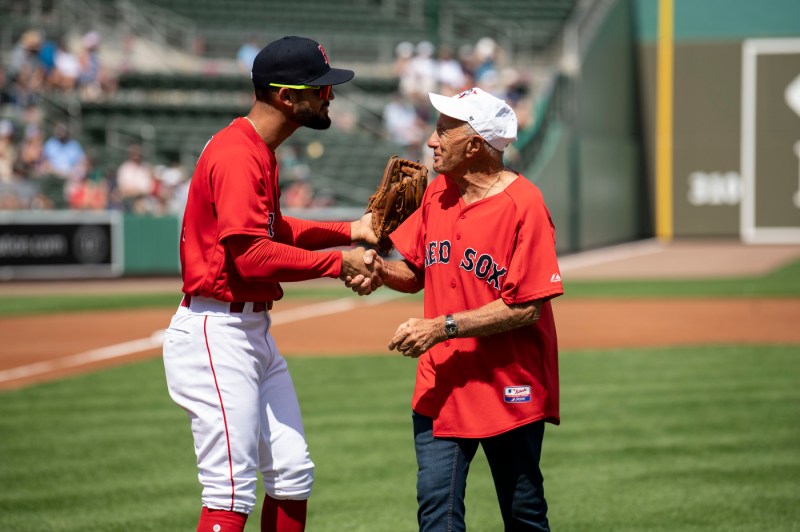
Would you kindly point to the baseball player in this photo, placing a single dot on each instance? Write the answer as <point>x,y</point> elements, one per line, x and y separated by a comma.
<point>222,365</point>
<point>483,246</point>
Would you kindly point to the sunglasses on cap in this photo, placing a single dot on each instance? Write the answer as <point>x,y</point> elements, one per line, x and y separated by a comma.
<point>324,91</point>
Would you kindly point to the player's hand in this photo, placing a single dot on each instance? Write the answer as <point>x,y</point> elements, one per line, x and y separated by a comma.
<point>416,336</point>
<point>361,230</point>
<point>361,270</point>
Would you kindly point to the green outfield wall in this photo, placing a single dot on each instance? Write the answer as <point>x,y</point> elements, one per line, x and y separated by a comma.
<point>151,245</point>
<point>736,132</point>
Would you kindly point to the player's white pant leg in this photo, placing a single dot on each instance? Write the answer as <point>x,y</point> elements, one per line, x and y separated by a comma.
<point>286,468</point>
<point>214,364</point>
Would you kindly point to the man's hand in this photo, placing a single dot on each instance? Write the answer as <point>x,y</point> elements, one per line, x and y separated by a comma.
<point>361,270</point>
<point>361,230</point>
<point>416,336</point>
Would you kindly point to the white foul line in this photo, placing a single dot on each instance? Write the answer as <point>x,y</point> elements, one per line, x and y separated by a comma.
<point>104,353</point>
<point>328,307</point>
<point>156,340</point>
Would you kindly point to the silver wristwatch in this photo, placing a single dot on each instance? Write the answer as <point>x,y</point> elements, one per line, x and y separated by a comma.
<point>450,327</point>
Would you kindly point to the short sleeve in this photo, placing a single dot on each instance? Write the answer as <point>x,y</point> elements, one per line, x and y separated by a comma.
<point>533,271</point>
<point>408,238</point>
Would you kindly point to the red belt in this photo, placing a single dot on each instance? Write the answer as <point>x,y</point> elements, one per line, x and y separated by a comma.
<point>236,307</point>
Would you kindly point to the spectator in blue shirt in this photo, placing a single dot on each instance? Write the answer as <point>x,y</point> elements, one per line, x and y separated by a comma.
<point>247,54</point>
<point>63,166</point>
<point>63,156</point>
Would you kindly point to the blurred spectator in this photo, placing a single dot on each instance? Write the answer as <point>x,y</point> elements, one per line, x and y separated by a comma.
<point>136,183</point>
<point>26,54</point>
<point>517,92</point>
<point>421,75</point>
<point>293,164</point>
<point>63,156</point>
<point>63,165</point>
<point>450,73</point>
<point>89,195</point>
<point>485,60</point>
<point>94,80</point>
<point>403,52</point>
<point>47,54</point>
<point>8,151</point>
<point>67,69</point>
<point>25,69</point>
<point>30,153</point>
<point>177,203</point>
<point>299,194</point>
<point>247,54</point>
<point>89,61</point>
<point>32,118</point>
<point>168,181</point>
<point>92,192</point>
<point>404,126</point>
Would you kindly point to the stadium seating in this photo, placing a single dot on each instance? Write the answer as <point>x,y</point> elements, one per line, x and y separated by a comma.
<point>368,30</point>
<point>176,113</point>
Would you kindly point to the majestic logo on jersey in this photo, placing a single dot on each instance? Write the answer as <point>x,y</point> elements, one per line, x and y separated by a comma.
<point>271,224</point>
<point>555,278</point>
<point>483,266</point>
<point>517,394</point>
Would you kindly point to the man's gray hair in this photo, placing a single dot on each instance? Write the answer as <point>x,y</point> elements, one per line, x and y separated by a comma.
<point>488,148</point>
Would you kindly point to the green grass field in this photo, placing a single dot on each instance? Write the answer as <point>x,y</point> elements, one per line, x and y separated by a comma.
<point>669,439</point>
<point>701,438</point>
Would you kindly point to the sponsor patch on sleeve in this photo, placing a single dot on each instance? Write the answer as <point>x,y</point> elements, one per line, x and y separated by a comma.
<point>517,394</point>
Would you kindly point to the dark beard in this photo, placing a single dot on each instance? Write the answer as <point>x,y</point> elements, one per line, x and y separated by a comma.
<point>308,118</point>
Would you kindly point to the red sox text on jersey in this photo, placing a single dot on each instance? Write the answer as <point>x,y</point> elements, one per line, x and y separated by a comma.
<point>482,265</point>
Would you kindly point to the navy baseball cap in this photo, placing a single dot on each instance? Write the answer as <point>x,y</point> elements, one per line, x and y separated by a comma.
<point>296,61</point>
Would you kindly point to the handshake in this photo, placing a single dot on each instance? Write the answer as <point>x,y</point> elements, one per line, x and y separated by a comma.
<point>362,270</point>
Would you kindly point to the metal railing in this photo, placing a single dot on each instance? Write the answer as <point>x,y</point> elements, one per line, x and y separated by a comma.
<point>160,25</point>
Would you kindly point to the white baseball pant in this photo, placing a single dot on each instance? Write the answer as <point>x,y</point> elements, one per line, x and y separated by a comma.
<point>225,371</point>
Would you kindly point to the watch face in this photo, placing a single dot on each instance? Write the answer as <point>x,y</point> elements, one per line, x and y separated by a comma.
<point>450,327</point>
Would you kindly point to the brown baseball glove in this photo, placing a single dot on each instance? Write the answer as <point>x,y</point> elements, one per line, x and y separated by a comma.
<point>398,195</point>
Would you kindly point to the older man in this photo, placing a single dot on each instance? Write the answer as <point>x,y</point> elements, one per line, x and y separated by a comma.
<point>483,247</point>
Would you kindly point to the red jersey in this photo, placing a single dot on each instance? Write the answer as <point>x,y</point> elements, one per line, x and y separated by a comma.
<point>234,191</point>
<point>501,247</point>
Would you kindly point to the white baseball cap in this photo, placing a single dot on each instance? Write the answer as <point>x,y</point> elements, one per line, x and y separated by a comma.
<point>490,117</point>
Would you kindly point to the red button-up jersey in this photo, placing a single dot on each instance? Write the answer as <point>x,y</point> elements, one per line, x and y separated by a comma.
<point>501,247</point>
<point>235,191</point>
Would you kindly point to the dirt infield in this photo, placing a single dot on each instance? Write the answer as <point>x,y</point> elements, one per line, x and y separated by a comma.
<point>36,348</point>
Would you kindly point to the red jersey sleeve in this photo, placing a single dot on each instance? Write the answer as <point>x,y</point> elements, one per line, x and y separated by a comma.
<point>244,200</point>
<point>408,238</point>
<point>312,235</point>
<point>262,259</point>
<point>533,272</point>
